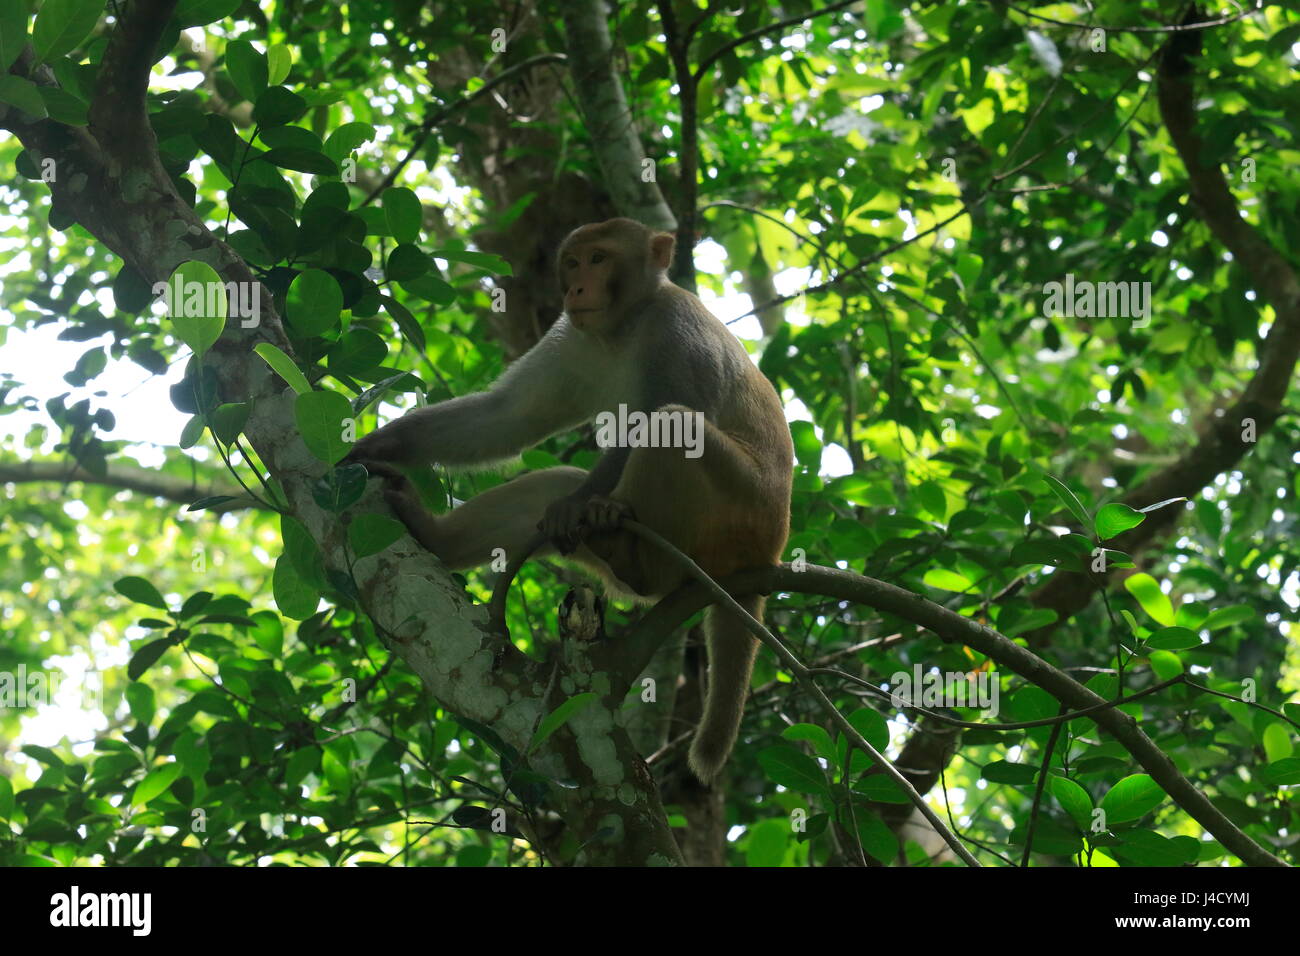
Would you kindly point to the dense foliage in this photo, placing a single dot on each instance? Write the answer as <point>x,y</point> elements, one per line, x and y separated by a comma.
<point>964,429</point>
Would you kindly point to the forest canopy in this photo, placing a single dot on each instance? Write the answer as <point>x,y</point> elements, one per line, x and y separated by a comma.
<point>1022,275</point>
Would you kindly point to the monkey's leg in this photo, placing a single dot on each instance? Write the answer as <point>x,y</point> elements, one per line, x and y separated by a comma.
<point>503,517</point>
<point>710,507</point>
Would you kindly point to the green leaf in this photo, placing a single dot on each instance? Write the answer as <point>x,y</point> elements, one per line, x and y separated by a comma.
<point>1210,518</point>
<point>933,500</point>
<point>1004,771</point>
<point>268,632</point>
<point>61,25</point>
<point>22,93</point>
<point>314,303</point>
<point>1050,552</point>
<point>1277,741</point>
<point>877,839</point>
<point>969,267</point>
<point>406,322</point>
<point>879,788</point>
<point>558,717</point>
<point>6,798</point>
<point>815,735</point>
<point>371,533</point>
<point>340,143</point>
<point>1165,665</point>
<point>357,350</point>
<point>303,762</point>
<point>793,770</point>
<point>483,260</point>
<point>403,212</point>
<point>196,304</point>
<point>807,446</point>
<point>302,550</point>
<point>408,382</point>
<point>1073,798</point>
<point>147,656</point>
<point>193,756</point>
<point>320,417</point>
<point>228,421</point>
<point>341,487</point>
<point>1114,519</point>
<point>766,843</point>
<point>196,13</point>
<point>1066,495</point>
<point>211,501</point>
<point>247,68</point>
<point>192,432</point>
<point>1154,601</point>
<point>140,700</point>
<point>1228,616</point>
<point>295,597</point>
<point>301,160</point>
<point>1284,772</point>
<point>1131,799</point>
<point>1028,621</point>
<point>141,591</point>
<point>155,784</point>
<point>945,579</point>
<point>407,262</point>
<point>283,366</point>
<point>44,754</point>
<point>1146,848</point>
<point>1173,639</point>
<point>13,37</point>
<point>278,62</point>
<point>873,727</point>
<point>277,106</point>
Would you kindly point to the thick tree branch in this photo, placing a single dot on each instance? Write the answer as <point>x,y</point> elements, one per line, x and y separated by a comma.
<point>128,478</point>
<point>615,139</point>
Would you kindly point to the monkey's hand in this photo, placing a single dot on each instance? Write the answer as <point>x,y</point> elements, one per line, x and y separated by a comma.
<point>571,518</point>
<point>384,444</point>
<point>405,501</point>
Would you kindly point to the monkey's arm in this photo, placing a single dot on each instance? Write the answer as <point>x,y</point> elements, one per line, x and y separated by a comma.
<point>537,397</point>
<point>589,507</point>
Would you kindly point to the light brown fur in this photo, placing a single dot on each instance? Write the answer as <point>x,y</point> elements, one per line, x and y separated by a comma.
<point>629,337</point>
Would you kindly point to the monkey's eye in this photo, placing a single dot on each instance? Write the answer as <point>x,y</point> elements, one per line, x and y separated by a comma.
<point>570,263</point>
<point>597,258</point>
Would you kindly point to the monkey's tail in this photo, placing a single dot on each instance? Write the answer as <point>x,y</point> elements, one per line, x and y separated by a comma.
<point>731,660</point>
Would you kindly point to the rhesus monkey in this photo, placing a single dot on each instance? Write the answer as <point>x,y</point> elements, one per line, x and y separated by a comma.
<point>628,337</point>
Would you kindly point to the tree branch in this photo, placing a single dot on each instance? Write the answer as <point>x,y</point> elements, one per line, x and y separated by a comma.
<point>634,649</point>
<point>1221,444</point>
<point>144,481</point>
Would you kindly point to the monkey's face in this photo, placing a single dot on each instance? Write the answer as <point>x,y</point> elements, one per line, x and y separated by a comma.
<point>592,277</point>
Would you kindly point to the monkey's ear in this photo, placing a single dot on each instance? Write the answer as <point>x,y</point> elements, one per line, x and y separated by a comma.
<point>661,249</point>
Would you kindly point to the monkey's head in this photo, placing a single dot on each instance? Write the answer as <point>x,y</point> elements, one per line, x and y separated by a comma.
<point>609,268</point>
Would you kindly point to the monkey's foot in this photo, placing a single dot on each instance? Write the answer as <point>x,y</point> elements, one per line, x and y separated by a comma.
<point>571,519</point>
<point>605,514</point>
